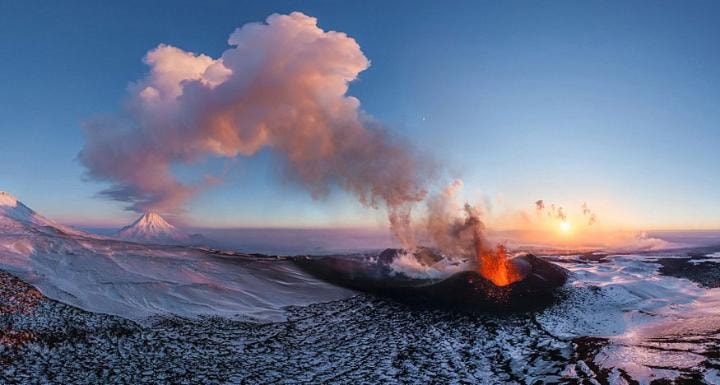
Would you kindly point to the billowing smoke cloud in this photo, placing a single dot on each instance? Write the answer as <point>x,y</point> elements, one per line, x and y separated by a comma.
<point>282,85</point>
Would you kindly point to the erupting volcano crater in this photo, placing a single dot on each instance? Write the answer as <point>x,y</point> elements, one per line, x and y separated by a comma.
<point>534,281</point>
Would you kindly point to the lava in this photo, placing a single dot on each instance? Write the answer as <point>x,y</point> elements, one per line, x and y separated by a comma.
<point>495,265</point>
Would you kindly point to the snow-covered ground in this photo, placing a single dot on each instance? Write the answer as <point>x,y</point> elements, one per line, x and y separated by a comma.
<point>136,280</point>
<point>621,318</point>
<point>591,336</point>
<point>655,325</point>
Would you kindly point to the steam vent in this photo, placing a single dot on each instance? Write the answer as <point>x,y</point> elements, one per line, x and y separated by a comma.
<point>465,290</point>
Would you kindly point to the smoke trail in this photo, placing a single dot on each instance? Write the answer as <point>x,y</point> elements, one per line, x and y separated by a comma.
<point>592,218</point>
<point>557,212</point>
<point>281,85</point>
<point>448,226</point>
<point>561,214</point>
<point>459,232</point>
<point>585,209</point>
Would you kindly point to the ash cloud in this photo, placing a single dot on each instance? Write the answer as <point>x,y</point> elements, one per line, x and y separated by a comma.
<point>454,228</point>
<point>281,85</point>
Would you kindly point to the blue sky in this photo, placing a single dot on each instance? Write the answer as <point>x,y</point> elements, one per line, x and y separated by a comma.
<point>614,102</point>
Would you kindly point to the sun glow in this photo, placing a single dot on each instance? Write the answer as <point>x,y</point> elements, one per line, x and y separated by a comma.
<point>565,227</point>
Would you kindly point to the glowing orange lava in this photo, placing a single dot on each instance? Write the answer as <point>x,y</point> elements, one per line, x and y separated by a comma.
<point>494,264</point>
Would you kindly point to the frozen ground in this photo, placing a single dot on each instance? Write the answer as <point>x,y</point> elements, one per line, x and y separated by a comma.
<point>646,317</point>
<point>92,310</point>
<point>602,330</point>
<point>136,281</point>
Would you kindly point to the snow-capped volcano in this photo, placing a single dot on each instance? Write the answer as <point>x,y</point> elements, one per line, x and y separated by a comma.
<point>16,218</point>
<point>152,228</point>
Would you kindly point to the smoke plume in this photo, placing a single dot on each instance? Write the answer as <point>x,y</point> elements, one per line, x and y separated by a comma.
<point>589,214</point>
<point>458,232</point>
<point>557,212</point>
<point>281,85</point>
<point>452,227</point>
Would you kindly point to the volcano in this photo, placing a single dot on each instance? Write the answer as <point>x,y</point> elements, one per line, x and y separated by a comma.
<point>464,290</point>
<point>152,228</point>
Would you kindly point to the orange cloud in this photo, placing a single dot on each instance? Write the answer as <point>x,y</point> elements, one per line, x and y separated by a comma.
<point>283,86</point>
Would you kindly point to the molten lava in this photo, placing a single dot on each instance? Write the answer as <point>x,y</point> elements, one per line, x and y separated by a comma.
<point>495,265</point>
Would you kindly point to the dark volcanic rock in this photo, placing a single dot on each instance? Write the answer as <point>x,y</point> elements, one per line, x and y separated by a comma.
<point>359,340</point>
<point>466,290</point>
<point>702,272</point>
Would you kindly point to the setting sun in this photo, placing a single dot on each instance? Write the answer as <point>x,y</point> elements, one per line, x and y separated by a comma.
<point>565,227</point>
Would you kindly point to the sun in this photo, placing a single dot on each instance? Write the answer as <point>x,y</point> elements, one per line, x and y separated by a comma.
<point>565,227</point>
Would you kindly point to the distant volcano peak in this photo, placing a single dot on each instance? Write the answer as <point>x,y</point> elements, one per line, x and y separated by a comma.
<point>7,199</point>
<point>152,219</point>
<point>152,228</point>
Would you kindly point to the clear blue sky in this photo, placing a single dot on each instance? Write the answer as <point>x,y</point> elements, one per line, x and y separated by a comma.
<point>612,102</point>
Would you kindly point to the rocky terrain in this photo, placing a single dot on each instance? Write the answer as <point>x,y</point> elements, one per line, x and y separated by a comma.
<point>696,267</point>
<point>360,340</point>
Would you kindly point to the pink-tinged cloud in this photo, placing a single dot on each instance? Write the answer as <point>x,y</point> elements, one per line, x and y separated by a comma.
<point>282,85</point>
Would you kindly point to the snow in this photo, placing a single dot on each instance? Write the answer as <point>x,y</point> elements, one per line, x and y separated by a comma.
<point>137,281</point>
<point>640,311</point>
<point>152,228</point>
<point>406,263</point>
<point>7,200</point>
<point>16,218</point>
<point>655,325</point>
